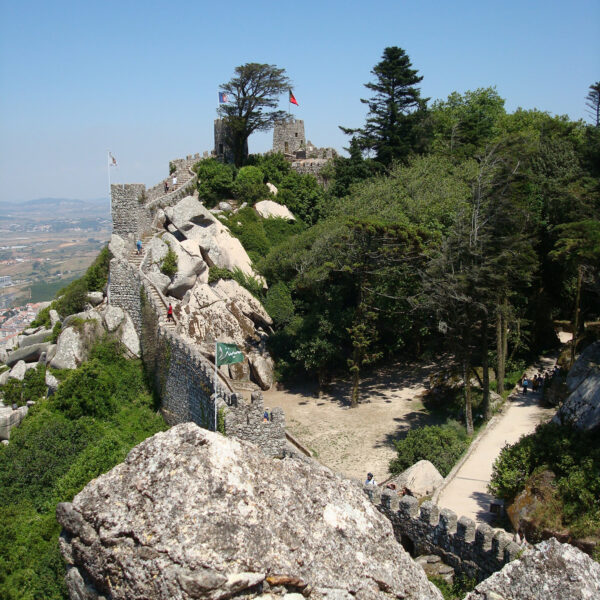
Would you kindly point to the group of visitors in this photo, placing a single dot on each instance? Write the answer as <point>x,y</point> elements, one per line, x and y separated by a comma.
<point>539,380</point>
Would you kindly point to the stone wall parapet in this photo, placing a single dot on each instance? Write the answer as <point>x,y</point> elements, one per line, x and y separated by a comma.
<point>476,550</point>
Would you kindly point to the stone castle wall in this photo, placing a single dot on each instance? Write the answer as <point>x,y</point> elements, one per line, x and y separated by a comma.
<point>183,378</point>
<point>475,550</point>
<point>129,215</point>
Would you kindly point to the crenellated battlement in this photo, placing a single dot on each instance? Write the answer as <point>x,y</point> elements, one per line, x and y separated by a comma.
<point>476,550</point>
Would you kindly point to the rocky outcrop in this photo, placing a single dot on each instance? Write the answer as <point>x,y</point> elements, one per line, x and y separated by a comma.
<point>10,418</point>
<point>113,316</point>
<point>27,353</point>
<point>232,292</point>
<point>219,247</point>
<point>69,350</point>
<point>95,298</point>
<point>262,369</point>
<point>582,407</point>
<point>18,371</point>
<point>268,209</point>
<point>192,514</point>
<point>549,570</point>
<point>420,480</point>
<point>129,337</point>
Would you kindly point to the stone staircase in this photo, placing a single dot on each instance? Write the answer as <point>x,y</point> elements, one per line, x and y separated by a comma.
<point>136,260</point>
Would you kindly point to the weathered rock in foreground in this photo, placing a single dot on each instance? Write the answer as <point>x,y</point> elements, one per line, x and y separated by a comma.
<point>192,514</point>
<point>551,570</point>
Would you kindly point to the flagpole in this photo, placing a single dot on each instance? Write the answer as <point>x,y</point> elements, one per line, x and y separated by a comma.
<point>216,386</point>
<point>108,172</point>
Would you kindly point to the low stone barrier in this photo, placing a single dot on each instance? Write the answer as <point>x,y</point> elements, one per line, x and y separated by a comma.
<point>475,550</point>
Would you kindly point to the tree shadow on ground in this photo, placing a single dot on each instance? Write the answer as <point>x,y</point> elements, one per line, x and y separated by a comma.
<point>379,385</point>
<point>411,420</point>
<point>483,513</point>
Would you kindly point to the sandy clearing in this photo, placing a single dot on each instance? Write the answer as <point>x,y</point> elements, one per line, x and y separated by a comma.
<point>353,441</point>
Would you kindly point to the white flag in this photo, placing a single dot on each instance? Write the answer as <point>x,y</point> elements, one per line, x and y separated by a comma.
<point>112,161</point>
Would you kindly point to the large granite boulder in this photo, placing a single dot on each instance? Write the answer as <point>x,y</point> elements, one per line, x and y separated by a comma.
<point>37,338</point>
<point>119,247</point>
<point>74,343</point>
<point>218,246</point>
<point>18,371</point>
<point>69,350</point>
<point>95,298</point>
<point>129,337</point>
<point>549,570</point>
<point>113,316</point>
<point>421,479</point>
<point>582,407</point>
<point>10,418</point>
<point>54,318</point>
<point>231,291</point>
<point>29,353</point>
<point>193,514</point>
<point>268,209</point>
<point>205,318</point>
<point>262,366</point>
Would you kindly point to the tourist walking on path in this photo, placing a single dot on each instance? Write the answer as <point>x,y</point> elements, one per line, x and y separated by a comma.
<point>170,313</point>
<point>174,181</point>
<point>138,245</point>
<point>166,186</point>
<point>525,384</point>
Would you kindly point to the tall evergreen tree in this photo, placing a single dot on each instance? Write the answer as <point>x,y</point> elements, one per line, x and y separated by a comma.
<point>253,96</point>
<point>392,128</point>
<point>592,101</point>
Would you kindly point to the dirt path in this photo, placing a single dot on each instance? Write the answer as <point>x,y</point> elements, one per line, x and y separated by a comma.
<point>466,494</point>
<point>354,441</point>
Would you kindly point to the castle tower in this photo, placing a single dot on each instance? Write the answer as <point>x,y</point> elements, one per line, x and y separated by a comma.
<point>288,136</point>
<point>222,150</point>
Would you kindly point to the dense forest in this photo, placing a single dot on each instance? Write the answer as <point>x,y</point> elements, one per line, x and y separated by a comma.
<point>453,228</point>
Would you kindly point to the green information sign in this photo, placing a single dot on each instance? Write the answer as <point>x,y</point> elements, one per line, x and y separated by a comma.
<point>228,354</point>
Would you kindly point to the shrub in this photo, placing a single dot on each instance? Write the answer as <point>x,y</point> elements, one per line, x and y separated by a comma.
<point>279,230</point>
<point>88,392</point>
<point>279,304</point>
<point>33,387</point>
<point>42,319</point>
<point>56,330</point>
<point>96,276</point>
<point>168,265</point>
<point>72,298</point>
<point>572,455</point>
<point>215,181</point>
<point>302,194</point>
<point>274,166</point>
<point>248,185</point>
<point>50,458</point>
<point>442,445</point>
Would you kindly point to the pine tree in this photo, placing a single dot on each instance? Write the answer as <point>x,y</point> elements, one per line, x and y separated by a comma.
<point>592,101</point>
<point>396,109</point>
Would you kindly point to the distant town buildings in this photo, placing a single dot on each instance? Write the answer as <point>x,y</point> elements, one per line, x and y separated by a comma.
<point>14,320</point>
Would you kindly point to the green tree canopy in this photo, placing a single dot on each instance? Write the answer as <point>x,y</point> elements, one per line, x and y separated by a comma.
<point>253,98</point>
<point>395,109</point>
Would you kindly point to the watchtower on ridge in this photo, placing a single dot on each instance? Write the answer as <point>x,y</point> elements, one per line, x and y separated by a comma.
<point>288,136</point>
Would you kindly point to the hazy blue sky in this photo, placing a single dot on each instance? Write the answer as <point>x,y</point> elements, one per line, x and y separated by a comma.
<point>141,78</point>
